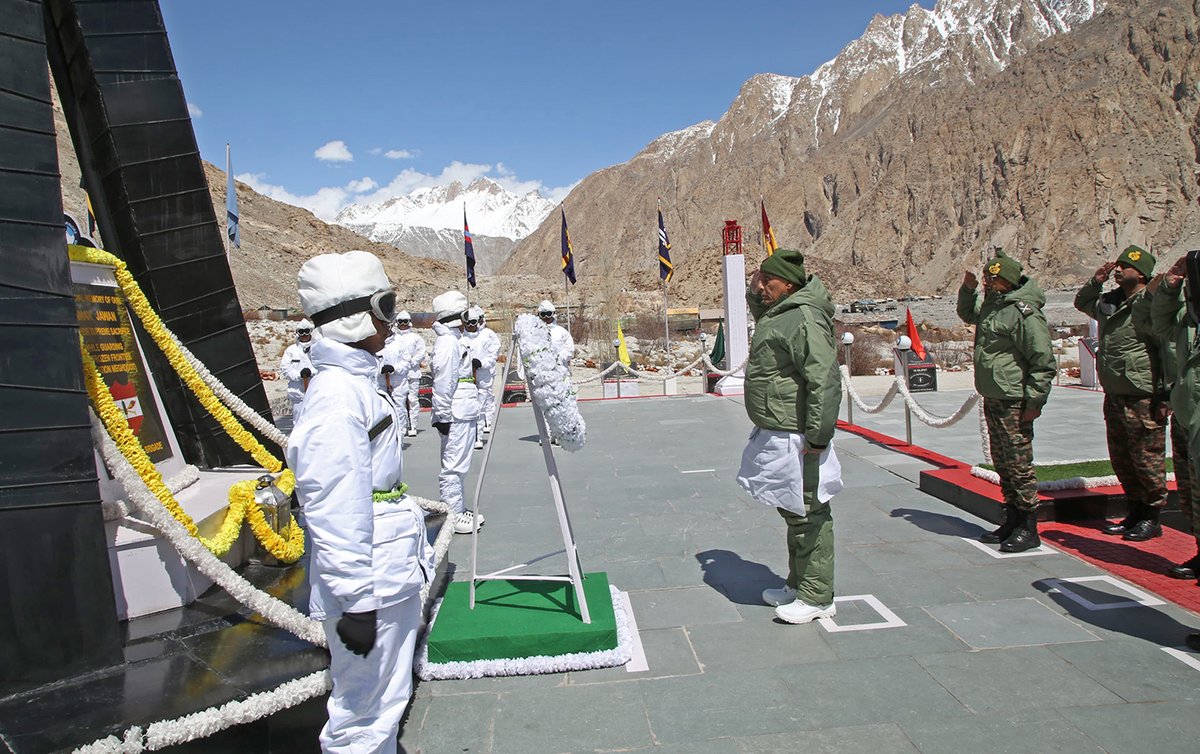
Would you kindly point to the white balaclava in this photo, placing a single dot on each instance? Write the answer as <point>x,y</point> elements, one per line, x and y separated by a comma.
<point>330,279</point>
<point>304,324</point>
<point>476,314</point>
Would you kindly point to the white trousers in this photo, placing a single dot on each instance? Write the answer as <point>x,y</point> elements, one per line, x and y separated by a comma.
<point>297,406</point>
<point>456,462</point>
<point>484,380</point>
<point>414,399</point>
<point>371,693</point>
<point>773,470</point>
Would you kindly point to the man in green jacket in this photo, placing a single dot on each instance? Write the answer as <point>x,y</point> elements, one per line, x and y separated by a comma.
<point>792,391</point>
<point>1134,414</point>
<point>1014,368</point>
<point>1181,369</point>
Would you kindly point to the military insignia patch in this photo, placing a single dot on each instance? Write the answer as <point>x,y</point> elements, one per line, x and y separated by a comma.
<point>1024,308</point>
<point>994,268</point>
<point>1134,256</point>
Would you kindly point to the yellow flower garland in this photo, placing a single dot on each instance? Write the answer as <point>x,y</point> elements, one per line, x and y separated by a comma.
<point>287,547</point>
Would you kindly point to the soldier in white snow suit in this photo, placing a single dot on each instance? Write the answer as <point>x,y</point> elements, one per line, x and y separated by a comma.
<point>297,367</point>
<point>560,338</point>
<point>410,347</point>
<point>369,552</point>
<point>485,347</point>
<point>455,406</point>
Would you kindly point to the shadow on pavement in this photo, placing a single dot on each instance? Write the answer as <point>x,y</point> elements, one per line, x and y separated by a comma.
<point>1139,622</point>
<point>1110,550</point>
<point>740,581</point>
<point>939,523</point>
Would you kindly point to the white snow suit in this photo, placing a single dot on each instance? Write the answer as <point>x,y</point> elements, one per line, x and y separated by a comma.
<point>364,555</point>
<point>485,346</point>
<point>456,401</point>
<point>296,359</point>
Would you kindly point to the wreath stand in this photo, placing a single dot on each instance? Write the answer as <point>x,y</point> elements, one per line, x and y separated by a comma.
<point>511,622</point>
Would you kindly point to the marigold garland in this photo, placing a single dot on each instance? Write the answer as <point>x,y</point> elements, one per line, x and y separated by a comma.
<point>287,546</point>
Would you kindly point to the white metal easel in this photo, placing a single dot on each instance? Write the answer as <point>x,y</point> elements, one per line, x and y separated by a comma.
<point>574,571</point>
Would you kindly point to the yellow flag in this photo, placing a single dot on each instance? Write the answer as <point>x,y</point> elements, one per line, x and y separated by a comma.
<point>622,351</point>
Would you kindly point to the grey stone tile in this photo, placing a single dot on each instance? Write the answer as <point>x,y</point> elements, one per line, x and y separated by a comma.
<point>664,608</point>
<point>1034,732</point>
<point>861,692</point>
<point>922,634</point>
<point>1136,671</point>
<point>716,704</point>
<point>470,686</point>
<point>758,644</point>
<point>1013,680</point>
<point>635,575</point>
<point>1165,728</point>
<point>573,718</point>
<point>884,738</point>
<point>669,653</point>
<point>1008,623</point>
<point>466,726</point>
<point>924,556</point>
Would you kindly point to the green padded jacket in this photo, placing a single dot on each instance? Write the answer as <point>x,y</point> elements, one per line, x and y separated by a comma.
<point>1013,357</point>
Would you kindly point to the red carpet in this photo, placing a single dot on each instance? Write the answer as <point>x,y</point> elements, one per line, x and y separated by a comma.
<point>1142,563</point>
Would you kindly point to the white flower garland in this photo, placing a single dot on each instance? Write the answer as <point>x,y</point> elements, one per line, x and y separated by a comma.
<point>218,571</point>
<point>549,383</point>
<point>186,477</point>
<point>605,658</point>
<point>1073,483</point>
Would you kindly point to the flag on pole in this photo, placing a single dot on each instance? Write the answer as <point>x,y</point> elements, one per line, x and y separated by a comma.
<point>911,332</point>
<point>231,208</point>
<point>469,250</point>
<point>718,352</point>
<point>622,351</point>
<point>91,215</point>
<point>568,253</point>
<point>665,268</point>
<point>768,234</point>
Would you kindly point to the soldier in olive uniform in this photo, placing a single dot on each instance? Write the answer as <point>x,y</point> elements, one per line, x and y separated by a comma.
<point>1014,368</point>
<point>1134,413</point>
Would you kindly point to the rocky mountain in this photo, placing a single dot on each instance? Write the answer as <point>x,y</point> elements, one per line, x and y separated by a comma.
<point>277,238</point>
<point>429,221</point>
<point>1061,130</point>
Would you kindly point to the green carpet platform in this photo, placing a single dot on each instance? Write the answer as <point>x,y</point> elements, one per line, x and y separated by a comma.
<point>525,627</point>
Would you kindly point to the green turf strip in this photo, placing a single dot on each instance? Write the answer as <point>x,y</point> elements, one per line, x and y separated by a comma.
<point>1053,472</point>
<point>515,619</point>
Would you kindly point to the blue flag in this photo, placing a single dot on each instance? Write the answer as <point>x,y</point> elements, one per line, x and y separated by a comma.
<point>231,208</point>
<point>665,268</point>
<point>469,250</point>
<point>568,253</point>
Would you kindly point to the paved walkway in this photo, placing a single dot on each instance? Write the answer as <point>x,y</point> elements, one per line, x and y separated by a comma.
<point>1034,652</point>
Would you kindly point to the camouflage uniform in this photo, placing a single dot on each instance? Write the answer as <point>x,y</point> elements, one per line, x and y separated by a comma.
<point>1011,442</point>
<point>1129,368</point>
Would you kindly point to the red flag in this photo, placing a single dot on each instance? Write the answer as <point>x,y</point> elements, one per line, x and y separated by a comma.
<point>917,348</point>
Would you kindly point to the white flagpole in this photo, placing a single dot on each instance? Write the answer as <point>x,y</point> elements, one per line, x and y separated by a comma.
<point>228,182</point>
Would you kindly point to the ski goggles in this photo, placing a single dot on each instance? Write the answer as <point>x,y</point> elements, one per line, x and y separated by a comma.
<point>382,304</point>
<point>473,321</point>
<point>304,331</point>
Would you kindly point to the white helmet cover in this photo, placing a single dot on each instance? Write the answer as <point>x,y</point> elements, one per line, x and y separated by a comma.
<point>330,279</point>
<point>449,308</point>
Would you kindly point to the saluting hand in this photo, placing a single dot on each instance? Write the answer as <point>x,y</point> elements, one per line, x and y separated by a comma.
<point>1177,273</point>
<point>1105,271</point>
<point>970,281</point>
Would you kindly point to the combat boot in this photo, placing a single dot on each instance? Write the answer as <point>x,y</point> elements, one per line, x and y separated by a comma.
<point>1147,528</point>
<point>1125,524</point>
<point>1011,517</point>
<point>1187,569</point>
<point>1025,536</point>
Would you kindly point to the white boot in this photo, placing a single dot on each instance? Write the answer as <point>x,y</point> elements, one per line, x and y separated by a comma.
<point>802,612</point>
<point>777,597</point>
<point>465,522</point>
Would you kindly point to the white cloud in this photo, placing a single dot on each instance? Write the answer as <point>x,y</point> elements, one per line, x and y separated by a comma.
<point>324,203</point>
<point>376,151</point>
<point>334,151</point>
<point>361,186</point>
<point>194,110</point>
<point>397,154</point>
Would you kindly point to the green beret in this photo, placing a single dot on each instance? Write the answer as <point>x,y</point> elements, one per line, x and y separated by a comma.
<point>1004,267</point>
<point>787,264</point>
<point>1139,259</point>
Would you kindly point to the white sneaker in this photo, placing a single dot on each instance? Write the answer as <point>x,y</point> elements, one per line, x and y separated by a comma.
<point>487,429</point>
<point>464,523</point>
<point>411,433</point>
<point>479,444</point>
<point>802,612</point>
<point>777,597</point>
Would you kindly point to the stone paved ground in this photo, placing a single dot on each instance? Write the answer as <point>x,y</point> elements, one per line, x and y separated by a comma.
<point>994,654</point>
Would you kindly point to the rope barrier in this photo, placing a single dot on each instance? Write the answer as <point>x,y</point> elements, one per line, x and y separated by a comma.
<point>899,388</point>
<point>644,375</point>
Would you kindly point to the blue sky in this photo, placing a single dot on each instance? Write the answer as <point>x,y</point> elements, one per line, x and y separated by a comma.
<point>326,103</point>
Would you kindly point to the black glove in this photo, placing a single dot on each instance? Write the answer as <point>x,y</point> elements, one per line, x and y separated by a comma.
<point>388,369</point>
<point>357,631</point>
<point>305,373</point>
<point>476,364</point>
<point>443,428</point>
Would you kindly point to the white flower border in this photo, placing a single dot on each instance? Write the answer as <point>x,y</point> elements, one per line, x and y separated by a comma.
<point>540,664</point>
<point>549,383</point>
<point>187,476</point>
<point>1073,483</point>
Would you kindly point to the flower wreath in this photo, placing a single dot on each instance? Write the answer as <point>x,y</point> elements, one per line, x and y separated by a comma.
<point>549,382</point>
